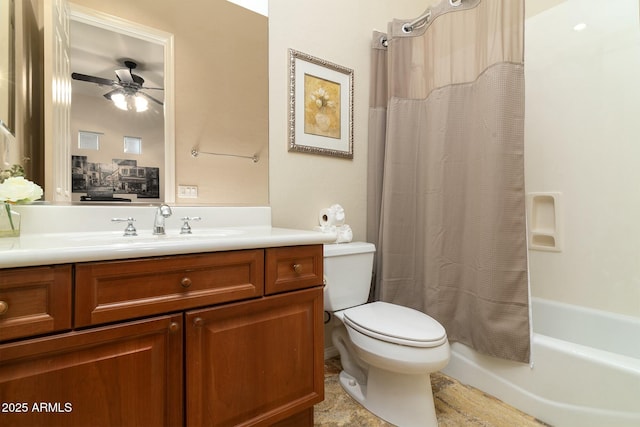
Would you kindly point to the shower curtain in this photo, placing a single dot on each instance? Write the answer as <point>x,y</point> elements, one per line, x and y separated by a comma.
<point>446,172</point>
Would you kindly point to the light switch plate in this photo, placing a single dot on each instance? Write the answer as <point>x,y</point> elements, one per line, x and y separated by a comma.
<point>187,191</point>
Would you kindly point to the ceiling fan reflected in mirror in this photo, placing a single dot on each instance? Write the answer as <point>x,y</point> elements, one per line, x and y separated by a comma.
<point>127,91</point>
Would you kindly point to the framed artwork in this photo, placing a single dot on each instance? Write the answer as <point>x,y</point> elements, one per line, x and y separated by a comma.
<point>320,106</point>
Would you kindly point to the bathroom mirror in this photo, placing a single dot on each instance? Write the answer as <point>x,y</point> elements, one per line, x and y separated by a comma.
<point>221,98</point>
<point>7,66</point>
<point>121,118</point>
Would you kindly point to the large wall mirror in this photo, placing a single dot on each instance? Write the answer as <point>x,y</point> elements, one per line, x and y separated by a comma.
<point>7,68</point>
<point>220,103</point>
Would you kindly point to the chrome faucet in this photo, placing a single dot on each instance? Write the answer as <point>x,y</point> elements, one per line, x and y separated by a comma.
<point>163,211</point>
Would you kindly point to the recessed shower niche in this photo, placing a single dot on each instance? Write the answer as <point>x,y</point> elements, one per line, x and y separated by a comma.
<point>544,216</point>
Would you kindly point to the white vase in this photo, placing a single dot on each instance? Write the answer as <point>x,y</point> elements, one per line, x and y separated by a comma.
<point>323,121</point>
<point>9,221</point>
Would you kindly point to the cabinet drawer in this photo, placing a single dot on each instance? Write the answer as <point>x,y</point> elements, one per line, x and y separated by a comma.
<point>294,267</point>
<point>34,301</point>
<point>117,290</point>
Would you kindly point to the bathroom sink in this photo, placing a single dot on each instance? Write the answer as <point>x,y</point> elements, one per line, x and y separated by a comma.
<point>145,236</point>
<point>206,233</point>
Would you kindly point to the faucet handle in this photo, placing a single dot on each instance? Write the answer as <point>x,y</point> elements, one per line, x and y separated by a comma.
<point>186,228</point>
<point>130,230</point>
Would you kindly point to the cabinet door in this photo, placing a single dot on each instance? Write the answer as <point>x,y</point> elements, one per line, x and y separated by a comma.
<point>124,375</point>
<point>256,362</point>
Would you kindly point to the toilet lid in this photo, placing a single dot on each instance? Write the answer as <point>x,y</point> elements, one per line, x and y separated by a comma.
<point>396,324</point>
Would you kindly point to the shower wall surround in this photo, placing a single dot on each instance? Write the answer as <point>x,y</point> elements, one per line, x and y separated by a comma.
<point>581,139</point>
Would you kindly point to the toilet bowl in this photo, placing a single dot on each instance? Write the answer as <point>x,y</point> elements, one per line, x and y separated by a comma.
<point>387,351</point>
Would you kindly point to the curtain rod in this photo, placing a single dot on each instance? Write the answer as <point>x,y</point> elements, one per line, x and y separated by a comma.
<point>407,28</point>
<point>195,153</point>
<point>422,20</point>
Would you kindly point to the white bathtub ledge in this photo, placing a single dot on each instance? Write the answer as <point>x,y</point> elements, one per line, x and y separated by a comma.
<point>568,384</point>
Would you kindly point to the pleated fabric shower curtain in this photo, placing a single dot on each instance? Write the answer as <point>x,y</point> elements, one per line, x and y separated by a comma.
<point>446,201</point>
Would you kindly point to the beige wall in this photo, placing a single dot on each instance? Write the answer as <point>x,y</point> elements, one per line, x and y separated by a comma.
<point>340,32</point>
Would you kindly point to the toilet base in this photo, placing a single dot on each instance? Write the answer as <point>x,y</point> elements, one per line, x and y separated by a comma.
<point>403,400</point>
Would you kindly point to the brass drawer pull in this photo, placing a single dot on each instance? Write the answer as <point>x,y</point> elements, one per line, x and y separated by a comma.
<point>185,282</point>
<point>4,307</point>
<point>297,268</point>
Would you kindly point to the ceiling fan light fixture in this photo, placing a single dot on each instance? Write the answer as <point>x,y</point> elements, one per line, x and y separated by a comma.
<point>125,95</point>
<point>141,103</point>
<point>130,102</point>
<point>120,101</point>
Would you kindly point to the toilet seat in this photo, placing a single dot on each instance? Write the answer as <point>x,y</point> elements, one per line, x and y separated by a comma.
<point>395,324</point>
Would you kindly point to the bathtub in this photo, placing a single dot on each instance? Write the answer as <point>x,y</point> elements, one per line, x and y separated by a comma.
<point>584,371</point>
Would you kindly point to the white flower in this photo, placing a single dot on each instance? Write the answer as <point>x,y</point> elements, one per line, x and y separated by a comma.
<point>322,99</point>
<point>19,190</point>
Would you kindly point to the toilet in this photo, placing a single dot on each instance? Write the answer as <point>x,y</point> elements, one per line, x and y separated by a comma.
<point>387,351</point>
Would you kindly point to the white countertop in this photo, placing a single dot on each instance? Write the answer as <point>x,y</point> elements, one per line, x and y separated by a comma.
<point>66,234</point>
<point>58,248</point>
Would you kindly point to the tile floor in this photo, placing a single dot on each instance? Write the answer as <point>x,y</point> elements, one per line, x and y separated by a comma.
<point>456,405</point>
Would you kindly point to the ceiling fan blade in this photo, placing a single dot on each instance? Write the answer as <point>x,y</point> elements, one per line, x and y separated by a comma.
<point>92,79</point>
<point>112,92</point>
<point>151,98</point>
<point>124,75</point>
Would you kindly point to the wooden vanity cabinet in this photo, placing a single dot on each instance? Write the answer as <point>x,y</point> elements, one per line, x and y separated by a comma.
<point>193,340</point>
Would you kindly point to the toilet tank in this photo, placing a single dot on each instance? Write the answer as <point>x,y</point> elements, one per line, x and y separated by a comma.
<point>348,268</point>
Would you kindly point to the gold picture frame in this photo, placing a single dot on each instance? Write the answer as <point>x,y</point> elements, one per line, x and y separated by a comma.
<point>320,106</point>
